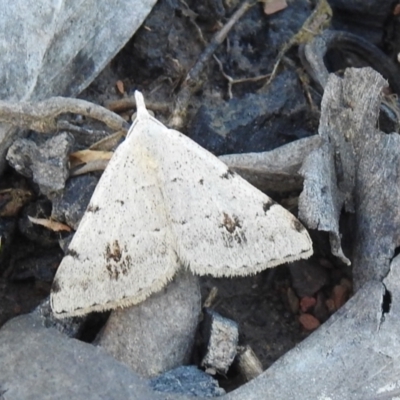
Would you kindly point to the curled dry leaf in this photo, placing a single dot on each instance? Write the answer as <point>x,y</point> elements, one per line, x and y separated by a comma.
<point>273,6</point>
<point>85,156</point>
<point>50,224</point>
<point>109,143</point>
<point>12,200</point>
<point>120,86</point>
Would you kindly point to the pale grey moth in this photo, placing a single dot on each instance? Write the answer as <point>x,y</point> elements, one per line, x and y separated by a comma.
<point>164,202</point>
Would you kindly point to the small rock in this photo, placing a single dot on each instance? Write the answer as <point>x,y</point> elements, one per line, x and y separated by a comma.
<point>221,337</point>
<point>307,277</point>
<point>47,164</point>
<point>7,232</point>
<point>41,267</point>
<point>157,334</point>
<point>187,380</point>
<point>330,305</point>
<point>309,322</point>
<point>340,294</point>
<point>70,205</point>
<point>320,310</point>
<point>71,327</point>
<point>293,301</point>
<point>38,234</point>
<point>306,303</point>
<point>41,363</point>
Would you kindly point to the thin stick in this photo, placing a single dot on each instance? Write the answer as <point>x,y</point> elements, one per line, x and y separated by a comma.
<point>42,116</point>
<point>192,81</point>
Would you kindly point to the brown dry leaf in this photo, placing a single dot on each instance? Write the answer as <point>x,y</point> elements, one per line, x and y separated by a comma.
<point>274,6</point>
<point>108,143</point>
<point>12,200</point>
<point>120,86</point>
<point>309,322</point>
<point>85,156</point>
<point>50,224</point>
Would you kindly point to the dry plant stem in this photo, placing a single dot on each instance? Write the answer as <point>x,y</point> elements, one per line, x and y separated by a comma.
<point>91,166</point>
<point>193,81</point>
<point>42,116</point>
<point>314,25</point>
<point>232,81</point>
<point>129,103</point>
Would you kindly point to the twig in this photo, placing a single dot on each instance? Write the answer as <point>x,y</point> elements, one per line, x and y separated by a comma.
<point>129,103</point>
<point>318,20</point>
<point>192,81</point>
<point>232,81</point>
<point>42,116</point>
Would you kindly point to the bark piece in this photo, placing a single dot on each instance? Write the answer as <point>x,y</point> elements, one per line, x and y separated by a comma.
<point>47,164</point>
<point>358,166</point>
<point>222,337</point>
<point>276,170</point>
<point>156,335</point>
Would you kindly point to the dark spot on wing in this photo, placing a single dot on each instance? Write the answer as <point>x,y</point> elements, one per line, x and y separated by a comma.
<point>71,252</point>
<point>228,174</point>
<point>157,230</point>
<point>118,262</point>
<point>233,232</point>
<point>92,208</point>
<point>297,225</point>
<point>268,204</point>
<point>55,287</point>
<point>231,223</point>
<point>120,202</point>
<point>113,251</point>
<point>201,181</point>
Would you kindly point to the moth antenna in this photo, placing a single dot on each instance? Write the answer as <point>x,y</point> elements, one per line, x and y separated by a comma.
<point>141,109</point>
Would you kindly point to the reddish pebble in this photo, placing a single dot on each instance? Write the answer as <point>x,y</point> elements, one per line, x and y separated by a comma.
<point>340,295</point>
<point>309,322</point>
<point>306,303</point>
<point>330,305</point>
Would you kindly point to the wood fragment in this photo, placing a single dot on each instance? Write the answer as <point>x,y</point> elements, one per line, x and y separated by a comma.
<point>192,81</point>
<point>248,363</point>
<point>358,169</point>
<point>50,224</point>
<point>42,116</point>
<point>85,156</point>
<point>275,170</point>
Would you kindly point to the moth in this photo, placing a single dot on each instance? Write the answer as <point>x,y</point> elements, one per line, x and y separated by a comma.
<point>163,203</point>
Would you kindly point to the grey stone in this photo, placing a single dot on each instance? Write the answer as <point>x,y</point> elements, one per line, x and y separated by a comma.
<point>156,335</point>
<point>71,327</point>
<point>59,47</point>
<point>39,363</point>
<point>70,205</point>
<point>221,336</point>
<point>307,277</point>
<point>47,164</point>
<point>187,380</point>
